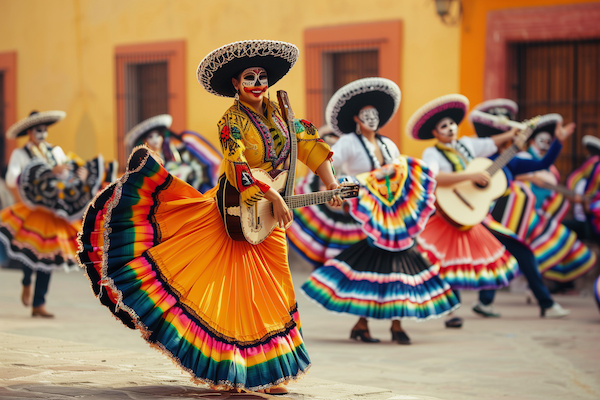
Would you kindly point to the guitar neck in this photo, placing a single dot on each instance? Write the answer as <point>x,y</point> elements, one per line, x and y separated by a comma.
<point>288,115</point>
<point>503,159</point>
<point>303,200</point>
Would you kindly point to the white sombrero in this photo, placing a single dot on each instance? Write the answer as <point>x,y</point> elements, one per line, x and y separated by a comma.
<point>547,123</point>
<point>592,143</point>
<point>34,119</point>
<point>137,132</point>
<point>423,121</point>
<point>219,66</point>
<point>381,93</point>
<point>499,107</point>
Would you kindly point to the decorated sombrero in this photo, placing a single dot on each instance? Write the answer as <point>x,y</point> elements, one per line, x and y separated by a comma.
<point>34,119</point>
<point>592,143</point>
<point>546,123</point>
<point>381,93</point>
<point>162,121</point>
<point>499,107</point>
<point>423,121</point>
<point>219,66</point>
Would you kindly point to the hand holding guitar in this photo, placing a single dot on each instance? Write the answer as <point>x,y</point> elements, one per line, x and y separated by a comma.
<point>281,212</point>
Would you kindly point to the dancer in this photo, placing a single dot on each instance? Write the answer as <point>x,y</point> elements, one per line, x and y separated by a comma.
<point>188,156</point>
<point>40,231</point>
<point>527,236</point>
<point>551,206</point>
<point>223,310</point>
<point>383,276</point>
<point>470,256</point>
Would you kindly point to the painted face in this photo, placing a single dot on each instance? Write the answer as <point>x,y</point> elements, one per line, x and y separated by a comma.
<point>445,130</point>
<point>154,140</point>
<point>254,82</point>
<point>542,141</point>
<point>369,118</point>
<point>38,134</point>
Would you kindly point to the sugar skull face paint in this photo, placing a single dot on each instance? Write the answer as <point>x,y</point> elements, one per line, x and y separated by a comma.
<point>154,140</point>
<point>38,134</point>
<point>542,141</point>
<point>255,81</point>
<point>369,117</point>
<point>445,130</point>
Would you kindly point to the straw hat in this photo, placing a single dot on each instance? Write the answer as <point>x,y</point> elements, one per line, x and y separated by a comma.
<point>381,93</point>
<point>219,66</point>
<point>423,121</point>
<point>136,133</point>
<point>499,107</point>
<point>34,119</point>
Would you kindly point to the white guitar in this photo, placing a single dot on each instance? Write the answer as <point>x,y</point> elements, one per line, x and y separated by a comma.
<point>466,203</point>
<point>254,224</point>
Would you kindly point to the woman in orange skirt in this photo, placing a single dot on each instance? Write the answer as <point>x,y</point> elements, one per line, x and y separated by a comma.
<point>224,310</point>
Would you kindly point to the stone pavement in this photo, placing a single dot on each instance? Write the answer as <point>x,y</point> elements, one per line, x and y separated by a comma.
<point>85,353</point>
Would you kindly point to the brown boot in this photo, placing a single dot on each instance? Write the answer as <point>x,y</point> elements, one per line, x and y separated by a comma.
<point>40,311</point>
<point>26,295</point>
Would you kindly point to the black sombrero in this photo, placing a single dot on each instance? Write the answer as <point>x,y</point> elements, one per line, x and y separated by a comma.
<point>423,121</point>
<point>381,93</point>
<point>592,143</point>
<point>499,107</point>
<point>546,123</point>
<point>34,119</point>
<point>162,121</point>
<point>219,66</point>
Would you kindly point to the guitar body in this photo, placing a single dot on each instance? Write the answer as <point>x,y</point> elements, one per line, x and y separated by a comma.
<point>250,224</point>
<point>467,204</point>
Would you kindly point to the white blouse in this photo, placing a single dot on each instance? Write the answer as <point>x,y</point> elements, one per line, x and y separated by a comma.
<point>19,160</point>
<point>478,147</point>
<point>350,157</point>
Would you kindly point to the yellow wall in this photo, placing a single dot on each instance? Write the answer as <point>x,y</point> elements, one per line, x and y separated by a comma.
<point>65,54</point>
<point>473,36</point>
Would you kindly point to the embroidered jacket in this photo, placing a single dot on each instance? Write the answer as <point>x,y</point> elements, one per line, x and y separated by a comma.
<point>249,140</point>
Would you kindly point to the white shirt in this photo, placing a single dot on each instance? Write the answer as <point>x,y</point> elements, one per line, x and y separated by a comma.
<point>19,160</point>
<point>478,147</point>
<point>350,157</point>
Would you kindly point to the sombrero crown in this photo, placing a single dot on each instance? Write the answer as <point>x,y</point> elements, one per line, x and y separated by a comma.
<point>499,107</point>
<point>138,131</point>
<point>381,93</point>
<point>423,121</point>
<point>219,66</point>
<point>547,123</point>
<point>34,119</point>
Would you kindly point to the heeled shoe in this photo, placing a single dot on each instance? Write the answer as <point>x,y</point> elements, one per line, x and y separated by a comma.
<point>400,337</point>
<point>363,335</point>
<point>274,391</point>
<point>41,312</point>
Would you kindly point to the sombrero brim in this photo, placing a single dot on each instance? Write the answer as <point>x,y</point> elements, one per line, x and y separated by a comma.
<point>592,143</point>
<point>381,93</point>
<point>41,118</point>
<point>547,123</point>
<point>218,67</point>
<point>423,121</point>
<point>484,127</point>
<point>500,107</point>
<point>156,122</point>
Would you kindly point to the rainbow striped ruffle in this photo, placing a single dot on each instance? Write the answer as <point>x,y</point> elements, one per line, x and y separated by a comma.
<point>320,232</point>
<point>395,202</point>
<point>38,238</point>
<point>157,248</point>
<point>374,283</point>
<point>597,291</point>
<point>469,258</point>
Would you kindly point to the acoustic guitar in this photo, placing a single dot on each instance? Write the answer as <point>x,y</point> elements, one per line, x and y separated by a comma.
<point>467,203</point>
<point>253,224</point>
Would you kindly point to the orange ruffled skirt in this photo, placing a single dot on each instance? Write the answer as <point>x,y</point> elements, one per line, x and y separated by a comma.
<point>223,310</point>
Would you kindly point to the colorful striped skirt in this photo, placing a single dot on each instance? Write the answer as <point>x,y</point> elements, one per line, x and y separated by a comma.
<point>223,310</point>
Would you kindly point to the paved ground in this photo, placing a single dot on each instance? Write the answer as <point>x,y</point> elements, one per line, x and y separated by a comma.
<point>84,353</point>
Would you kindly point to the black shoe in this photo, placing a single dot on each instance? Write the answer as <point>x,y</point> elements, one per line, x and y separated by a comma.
<point>400,337</point>
<point>363,335</point>
<point>455,322</point>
